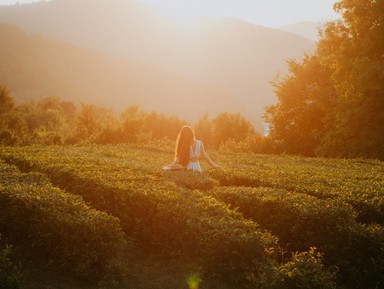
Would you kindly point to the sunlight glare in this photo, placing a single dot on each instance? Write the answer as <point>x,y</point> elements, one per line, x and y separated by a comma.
<point>194,281</point>
<point>185,18</point>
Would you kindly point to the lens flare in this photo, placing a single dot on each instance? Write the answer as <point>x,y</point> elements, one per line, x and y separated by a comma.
<point>194,281</point>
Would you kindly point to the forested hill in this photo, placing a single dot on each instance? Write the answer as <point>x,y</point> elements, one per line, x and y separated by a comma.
<point>237,57</point>
<point>34,67</point>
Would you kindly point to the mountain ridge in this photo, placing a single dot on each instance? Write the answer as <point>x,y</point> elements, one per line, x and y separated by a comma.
<point>35,67</point>
<point>237,57</point>
<point>308,29</point>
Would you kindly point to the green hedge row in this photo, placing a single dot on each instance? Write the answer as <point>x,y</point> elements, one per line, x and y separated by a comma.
<point>163,217</point>
<point>357,182</point>
<point>35,214</point>
<point>301,221</point>
<point>160,216</point>
<point>10,275</point>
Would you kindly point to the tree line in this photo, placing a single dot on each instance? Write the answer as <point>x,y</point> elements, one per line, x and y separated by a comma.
<point>52,121</point>
<point>332,102</point>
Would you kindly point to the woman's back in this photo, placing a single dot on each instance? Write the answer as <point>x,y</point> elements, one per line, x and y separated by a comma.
<point>194,156</point>
<point>188,151</point>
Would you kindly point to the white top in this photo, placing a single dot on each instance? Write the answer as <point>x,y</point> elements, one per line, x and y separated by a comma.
<point>194,156</point>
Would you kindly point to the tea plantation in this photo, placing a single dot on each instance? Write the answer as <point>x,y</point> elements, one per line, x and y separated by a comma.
<point>109,217</point>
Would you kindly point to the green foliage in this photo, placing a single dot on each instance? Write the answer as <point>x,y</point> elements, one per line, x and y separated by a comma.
<point>225,127</point>
<point>357,182</point>
<point>366,267</point>
<point>162,126</point>
<point>40,216</point>
<point>157,214</point>
<point>6,101</point>
<point>10,275</point>
<point>9,120</point>
<point>132,123</point>
<point>8,138</point>
<point>230,125</point>
<point>355,48</point>
<point>238,226</point>
<point>254,142</point>
<point>52,121</point>
<point>305,270</point>
<point>192,180</point>
<point>305,97</point>
<point>89,122</point>
<point>332,103</point>
<point>328,224</point>
<point>273,209</point>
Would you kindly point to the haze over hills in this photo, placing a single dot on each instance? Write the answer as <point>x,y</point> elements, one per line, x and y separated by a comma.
<point>35,67</point>
<point>306,29</point>
<point>233,56</point>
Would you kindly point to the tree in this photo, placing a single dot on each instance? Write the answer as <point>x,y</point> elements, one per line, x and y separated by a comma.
<point>203,130</point>
<point>132,120</point>
<point>355,51</point>
<point>161,126</point>
<point>12,125</point>
<point>332,104</point>
<point>88,122</point>
<point>305,97</point>
<point>6,101</point>
<point>230,126</point>
<point>51,115</point>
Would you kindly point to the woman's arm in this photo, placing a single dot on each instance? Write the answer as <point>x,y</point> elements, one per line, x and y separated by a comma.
<point>207,159</point>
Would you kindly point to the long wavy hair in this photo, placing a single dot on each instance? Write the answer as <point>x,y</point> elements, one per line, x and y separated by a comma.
<point>184,141</point>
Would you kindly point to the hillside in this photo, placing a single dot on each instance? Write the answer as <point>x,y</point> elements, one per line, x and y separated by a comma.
<point>237,57</point>
<point>35,67</point>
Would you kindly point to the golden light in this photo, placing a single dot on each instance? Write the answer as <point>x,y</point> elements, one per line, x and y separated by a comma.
<point>194,281</point>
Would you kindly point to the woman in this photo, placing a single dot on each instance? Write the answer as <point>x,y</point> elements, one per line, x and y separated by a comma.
<point>188,151</point>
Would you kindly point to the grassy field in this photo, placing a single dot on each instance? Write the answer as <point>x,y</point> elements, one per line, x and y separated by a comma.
<point>108,216</point>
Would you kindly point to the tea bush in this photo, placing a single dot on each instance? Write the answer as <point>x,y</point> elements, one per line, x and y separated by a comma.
<point>36,214</point>
<point>330,204</point>
<point>158,214</point>
<point>301,221</point>
<point>304,270</point>
<point>10,275</point>
<point>357,182</point>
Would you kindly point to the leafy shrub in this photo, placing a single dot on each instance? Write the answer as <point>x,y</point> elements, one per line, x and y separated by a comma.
<point>158,214</point>
<point>221,240</point>
<point>304,270</point>
<point>191,180</point>
<point>356,182</point>
<point>9,272</point>
<point>172,214</point>
<point>361,257</point>
<point>34,213</point>
<point>301,220</point>
<point>7,137</point>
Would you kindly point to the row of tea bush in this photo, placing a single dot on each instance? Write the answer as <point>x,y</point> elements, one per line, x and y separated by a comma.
<point>301,220</point>
<point>42,218</point>
<point>165,218</point>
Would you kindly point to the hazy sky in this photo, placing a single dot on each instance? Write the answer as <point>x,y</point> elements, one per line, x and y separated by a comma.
<point>271,13</point>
